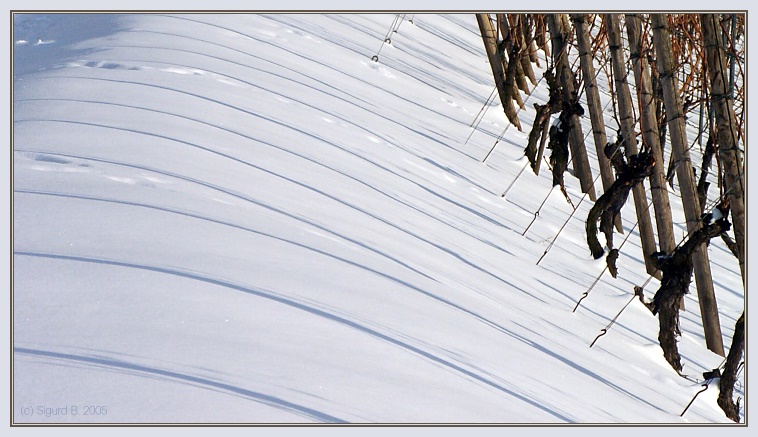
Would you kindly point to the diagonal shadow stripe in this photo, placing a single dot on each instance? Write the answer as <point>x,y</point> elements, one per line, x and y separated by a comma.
<point>203,382</point>
<point>318,312</point>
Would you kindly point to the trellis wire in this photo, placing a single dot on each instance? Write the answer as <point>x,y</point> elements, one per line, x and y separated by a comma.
<point>396,22</point>
<point>477,120</point>
<point>705,385</point>
<point>509,124</point>
<point>586,293</point>
<point>483,110</point>
<point>613,320</point>
<point>605,330</point>
<point>565,223</point>
<point>537,213</point>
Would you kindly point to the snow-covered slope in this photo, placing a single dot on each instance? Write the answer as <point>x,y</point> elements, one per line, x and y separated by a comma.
<point>242,218</point>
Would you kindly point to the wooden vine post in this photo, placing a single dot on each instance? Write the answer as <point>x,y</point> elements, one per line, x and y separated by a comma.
<point>675,119</point>
<point>521,23</point>
<point>558,27</point>
<point>722,101</point>
<point>489,37</point>
<point>593,103</point>
<point>514,77</point>
<point>507,36</point>
<point>625,105</point>
<point>650,135</point>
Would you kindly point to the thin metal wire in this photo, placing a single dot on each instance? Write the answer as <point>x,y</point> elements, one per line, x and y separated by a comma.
<point>565,223</point>
<point>486,105</point>
<point>387,39</point>
<point>518,111</point>
<point>586,293</point>
<point>475,124</point>
<point>705,386</point>
<point>537,213</point>
<point>605,330</point>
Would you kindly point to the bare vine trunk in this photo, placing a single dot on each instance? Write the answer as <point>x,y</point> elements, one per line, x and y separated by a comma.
<point>677,274</point>
<point>541,125</point>
<point>731,367</point>
<point>608,206</point>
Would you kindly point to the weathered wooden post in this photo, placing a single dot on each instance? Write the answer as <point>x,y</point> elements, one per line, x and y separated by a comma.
<point>593,103</point>
<point>626,115</point>
<point>728,148</point>
<point>558,32</point>
<point>489,37</point>
<point>650,135</point>
<point>687,184</point>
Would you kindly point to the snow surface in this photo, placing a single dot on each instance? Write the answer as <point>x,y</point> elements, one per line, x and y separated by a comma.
<point>243,219</point>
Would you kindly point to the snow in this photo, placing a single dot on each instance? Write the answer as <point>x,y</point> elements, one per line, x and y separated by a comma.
<point>243,219</point>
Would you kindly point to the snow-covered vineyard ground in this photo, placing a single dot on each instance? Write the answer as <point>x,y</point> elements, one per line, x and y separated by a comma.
<point>239,218</point>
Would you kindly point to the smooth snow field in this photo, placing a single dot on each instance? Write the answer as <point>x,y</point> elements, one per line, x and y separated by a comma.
<point>242,218</point>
